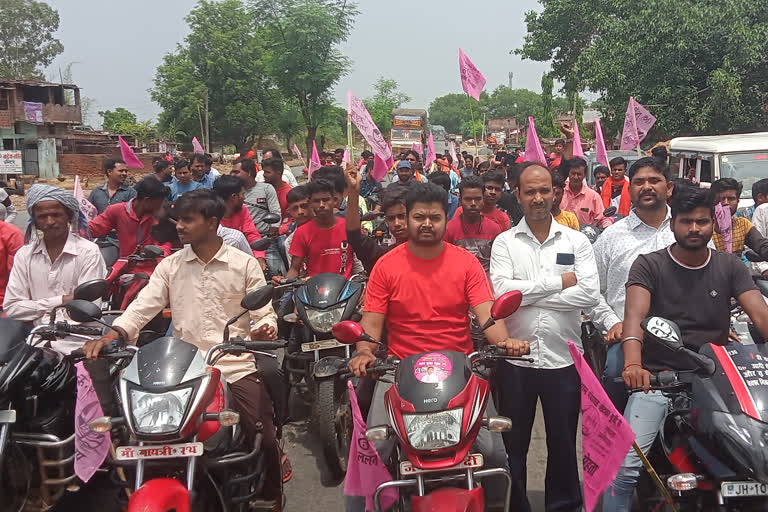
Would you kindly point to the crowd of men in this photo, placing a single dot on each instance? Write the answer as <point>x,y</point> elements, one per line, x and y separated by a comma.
<point>458,235</point>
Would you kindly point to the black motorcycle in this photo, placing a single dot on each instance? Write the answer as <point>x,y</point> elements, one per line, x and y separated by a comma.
<point>314,357</point>
<point>712,449</point>
<point>37,403</point>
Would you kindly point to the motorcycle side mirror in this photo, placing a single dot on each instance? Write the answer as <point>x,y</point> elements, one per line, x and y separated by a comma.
<point>271,218</point>
<point>664,331</point>
<point>610,211</point>
<point>503,307</point>
<point>257,299</point>
<point>152,251</point>
<point>82,310</point>
<point>350,332</point>
<point>91,290</point>
<point>262,244</point>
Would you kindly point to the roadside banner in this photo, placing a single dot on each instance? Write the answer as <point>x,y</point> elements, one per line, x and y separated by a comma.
<point>34,112</point>
<point>91,448</point>
<point>578,151</point>
<point>131,160</point>
<point>533,149</point>
<point>602,153</point>
<point>472,80</point>
<point>196,144</point>
<point>360,117</point>
<point>431,156</point>
<point>637,123</point>
<point>605,435</point>
<point>85,205</point>
<point>314,162</point>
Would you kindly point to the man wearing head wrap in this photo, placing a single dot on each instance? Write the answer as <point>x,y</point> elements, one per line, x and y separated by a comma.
<point>54,260</point>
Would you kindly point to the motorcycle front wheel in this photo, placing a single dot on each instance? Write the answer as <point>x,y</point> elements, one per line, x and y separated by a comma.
<point>16,481</point>
<point>333,420</point>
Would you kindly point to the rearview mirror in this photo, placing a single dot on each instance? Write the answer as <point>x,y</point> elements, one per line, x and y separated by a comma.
<point>152,251</point>
<point>610,211</point>
<point>91,290</point>
<point>82,310</point>
<point>507,304</point>
<point>257,299</point>
<point>664,331</point>
<point>271,218</point>
<point>348,332</point>
<point>262,244</point>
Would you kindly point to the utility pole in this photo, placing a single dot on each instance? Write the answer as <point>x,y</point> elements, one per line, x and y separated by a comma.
<point>510,79</point>
<point>207,132</point>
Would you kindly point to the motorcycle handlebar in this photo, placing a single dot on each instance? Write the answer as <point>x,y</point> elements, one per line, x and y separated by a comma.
<point>108,352</point>
<point>263,345</point>
<point>66,327</point>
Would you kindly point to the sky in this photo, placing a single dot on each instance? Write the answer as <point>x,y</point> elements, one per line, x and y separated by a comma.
<point>116,46</point>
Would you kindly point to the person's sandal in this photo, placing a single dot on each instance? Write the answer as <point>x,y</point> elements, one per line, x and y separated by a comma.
<point>285,468</point>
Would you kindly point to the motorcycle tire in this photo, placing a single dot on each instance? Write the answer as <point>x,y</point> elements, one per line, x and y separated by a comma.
<point>333,420</point>
<point>17,479</point>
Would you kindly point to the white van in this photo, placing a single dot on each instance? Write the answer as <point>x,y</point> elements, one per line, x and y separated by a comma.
<point>743,157</point>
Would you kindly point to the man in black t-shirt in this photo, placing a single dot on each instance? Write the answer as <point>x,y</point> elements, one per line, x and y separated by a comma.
<point>691,285</point>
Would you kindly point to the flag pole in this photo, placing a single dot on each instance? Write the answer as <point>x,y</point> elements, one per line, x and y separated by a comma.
<point>474,134</point>
<point>349,135</point>
<point>634,123</point>
<point>655,477</point>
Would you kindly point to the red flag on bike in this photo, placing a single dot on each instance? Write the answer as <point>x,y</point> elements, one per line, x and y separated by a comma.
<point>605,435</point>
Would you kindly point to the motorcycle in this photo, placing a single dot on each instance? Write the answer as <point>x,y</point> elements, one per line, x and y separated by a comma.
<point>436,409</point>
<point>37,404</point>
<point>711,450</point>
<point>314,357</point>
<point>177,425</point>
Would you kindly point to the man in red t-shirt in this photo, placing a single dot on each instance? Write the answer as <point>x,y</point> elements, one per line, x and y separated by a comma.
<point>11,240</point>
<point>493,183</point>
<point>232,190</point>
<point>273,174</point>
<point>322,243</point>
<point>472,230</point>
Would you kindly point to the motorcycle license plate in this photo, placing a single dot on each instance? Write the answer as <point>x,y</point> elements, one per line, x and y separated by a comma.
<point>474,460</point>
<point>743,489</point>
<point>320,345</point>
<point>159,451</point>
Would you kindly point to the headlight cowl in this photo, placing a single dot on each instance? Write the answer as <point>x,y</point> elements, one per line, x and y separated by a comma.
<point>159,413</point>
<point>435,430</point>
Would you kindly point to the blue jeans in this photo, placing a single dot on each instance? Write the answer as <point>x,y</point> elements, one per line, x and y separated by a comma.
<point>614,364</point>
<point>645,413</point>
<point>274,257</point>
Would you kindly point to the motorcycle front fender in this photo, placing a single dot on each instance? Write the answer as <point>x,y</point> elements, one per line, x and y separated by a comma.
<point>328,367</point>
<point>450,500</point>
<point>160,495</point>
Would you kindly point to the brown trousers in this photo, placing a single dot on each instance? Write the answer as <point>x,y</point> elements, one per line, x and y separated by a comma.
<point>255,406</point>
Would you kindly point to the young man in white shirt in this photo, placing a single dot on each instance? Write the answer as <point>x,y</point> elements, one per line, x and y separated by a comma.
<point>554,267</point>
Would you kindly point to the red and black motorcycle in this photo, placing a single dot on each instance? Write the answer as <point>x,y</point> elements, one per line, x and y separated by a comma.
<point>436,408</point>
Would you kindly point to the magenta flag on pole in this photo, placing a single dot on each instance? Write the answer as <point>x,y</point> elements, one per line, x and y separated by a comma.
<point>637,123</point>
<point>472,80</point>
<point>391,160</point>
<point>366,471</point>
<point>314,162</point>
<point>86,207</point>
<point>380,168</point>
<point>602,153</point>
<point>197,146</point>
<point>131,160</point>
<point>417,147</point>
<point>578,151</point>
<point>452,152</point>
<point>363,121</point>
<point>605,435</point>
<point>345,158</point>
<point>296,150</point>
<point>91,448</point>
<point>533,150</point>
<point>725,222</point>
<point>431,155</point>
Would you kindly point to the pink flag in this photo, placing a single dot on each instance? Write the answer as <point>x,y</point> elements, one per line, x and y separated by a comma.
<point>431,156</point>
<point>345,158</point>
<point>380,167</point>
<point>578,151</point>
<point>86,207</point>
<point>605,435</point>
<point>417,147</point>
<point>637,123</point>
<point>472,80</point>
<point>314,162</point>
<point>91,448</point>
<point>602,153</point>
<point>298,153</point>
<point>363,121</point>
<point>452,152</point>
<point>533,150</point>
<point>365,471</point>
<point>725,223</point>
<point>197,146</point>
<point>131,160</point>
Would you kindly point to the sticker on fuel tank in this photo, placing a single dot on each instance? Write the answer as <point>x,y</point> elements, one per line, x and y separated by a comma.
<point>432,368</point>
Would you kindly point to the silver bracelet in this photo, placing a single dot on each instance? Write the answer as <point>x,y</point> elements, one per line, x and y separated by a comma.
<point>631,338</point>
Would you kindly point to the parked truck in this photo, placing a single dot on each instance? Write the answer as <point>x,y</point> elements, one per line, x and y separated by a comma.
<point>408,128</point>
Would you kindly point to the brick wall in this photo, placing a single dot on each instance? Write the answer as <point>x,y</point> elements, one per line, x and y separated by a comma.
<point>91,165</point>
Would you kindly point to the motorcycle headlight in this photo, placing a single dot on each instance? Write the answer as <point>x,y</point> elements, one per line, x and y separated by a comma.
<point>435,430</point>
<point>323,321</point>
<point>159,413</point>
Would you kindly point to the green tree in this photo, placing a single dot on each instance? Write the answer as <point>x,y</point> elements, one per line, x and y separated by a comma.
<point>700,63</point>
<point>517,103</point>
<point>118,120</point>
<point>26,38</point>
<point>381,104</point>
<point>223,56</point>
<point>545,120</point>
<point>304,60</point>
<point>452,111</point>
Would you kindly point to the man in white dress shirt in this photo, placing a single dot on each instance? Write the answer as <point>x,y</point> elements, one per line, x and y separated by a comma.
<point>554,267</point>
